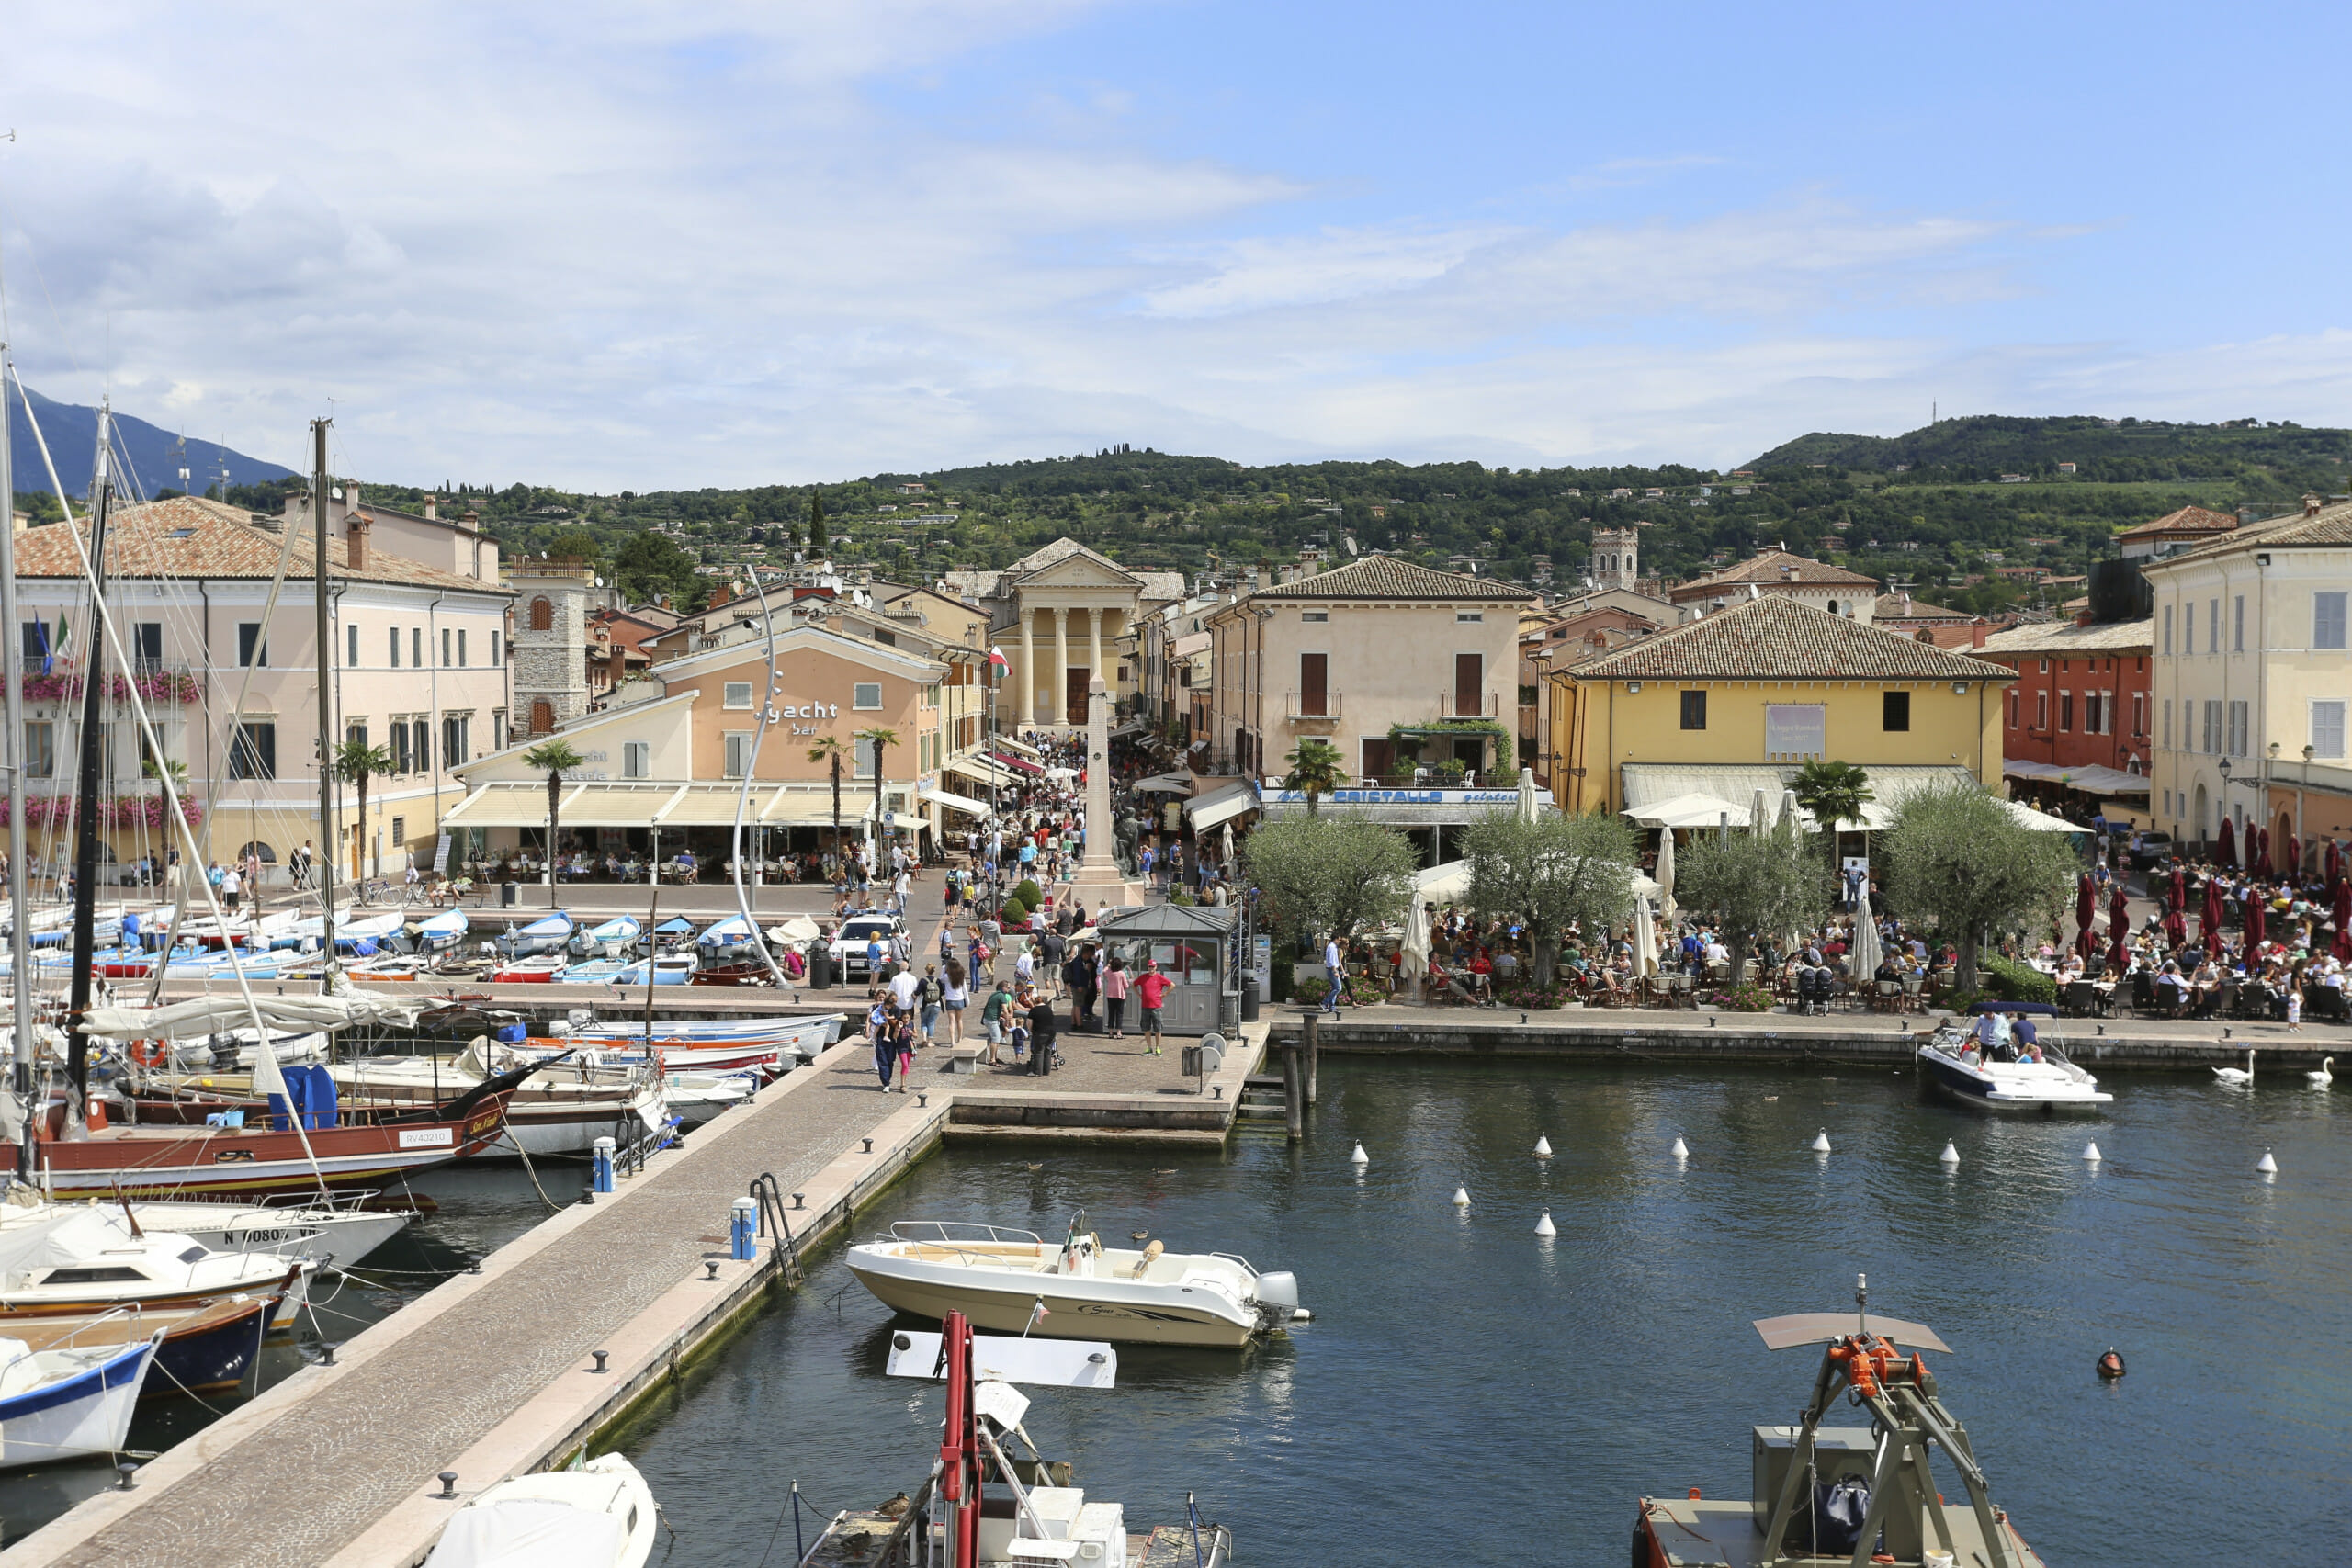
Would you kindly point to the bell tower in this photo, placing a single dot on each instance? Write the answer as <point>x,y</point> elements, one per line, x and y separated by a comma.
<point>1616,558</point>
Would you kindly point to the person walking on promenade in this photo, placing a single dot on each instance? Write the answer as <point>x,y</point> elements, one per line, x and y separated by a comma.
<point>1151,991</point>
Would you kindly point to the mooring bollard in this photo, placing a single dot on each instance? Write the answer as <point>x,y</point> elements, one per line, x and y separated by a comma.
<point>449,1484</point>
<point>739,1238</point>
<point>1293,1110</point>
<point>1314,1049</point>
<point>601,1157</point>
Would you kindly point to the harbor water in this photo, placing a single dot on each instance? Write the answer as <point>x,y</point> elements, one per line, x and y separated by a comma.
<point>1468,1392</point>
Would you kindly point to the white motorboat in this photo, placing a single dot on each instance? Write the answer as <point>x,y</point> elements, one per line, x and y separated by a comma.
<point>599,1516</point>
<point>72,1260</point>
<point>562,1110</point>
<point>69,1403</point>
<point>1956,1063</point>
<point>332,1237</point>
<point>998,1278</point>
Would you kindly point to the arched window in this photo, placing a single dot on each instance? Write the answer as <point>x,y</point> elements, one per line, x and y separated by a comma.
<point>1833,606</point>
<point>542,712</point>
<point>267,855</point>
<point>542,614</point>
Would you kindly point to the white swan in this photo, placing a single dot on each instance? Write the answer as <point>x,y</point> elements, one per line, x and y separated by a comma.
<point>2237,1075</point>
<point>2322,1078</point>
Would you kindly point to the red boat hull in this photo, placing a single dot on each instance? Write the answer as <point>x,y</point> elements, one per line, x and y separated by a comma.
<point>247,1163</point>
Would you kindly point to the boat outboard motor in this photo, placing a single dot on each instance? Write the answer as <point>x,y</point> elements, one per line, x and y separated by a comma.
<point>1277,1298</point>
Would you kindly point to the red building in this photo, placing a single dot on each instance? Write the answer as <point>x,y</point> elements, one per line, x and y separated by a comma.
<point>2078,716</point>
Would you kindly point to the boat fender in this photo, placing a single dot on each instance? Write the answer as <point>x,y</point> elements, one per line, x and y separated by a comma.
<point>1279,1289</point>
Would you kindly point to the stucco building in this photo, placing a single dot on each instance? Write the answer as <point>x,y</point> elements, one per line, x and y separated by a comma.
<point>2251,680</point>
<point>1059,613</point>
<point>2078,716</point>
<point>1828,588</point>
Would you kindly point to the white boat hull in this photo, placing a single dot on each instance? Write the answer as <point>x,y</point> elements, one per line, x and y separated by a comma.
<point>2052,1087</point>
<point>77,1416</point>
<point>337,1240</point>
<point>1077,1308</point>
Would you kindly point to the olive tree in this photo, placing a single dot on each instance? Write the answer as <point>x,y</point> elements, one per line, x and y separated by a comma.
<point>1335,874</point>
<point>1557,870</point>
<point>1955,858</point>
<point>1757,883</point>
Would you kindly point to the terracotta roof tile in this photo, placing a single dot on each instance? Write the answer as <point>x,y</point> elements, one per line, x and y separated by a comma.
<point>2331,526</point>
<point>190,537</point>
<point>2066,638</point>
<point>1386,577</point>
<point>1780,639</point>
<point>1774,567</point>
<point>1903,608</point>
<point>2187,520</point>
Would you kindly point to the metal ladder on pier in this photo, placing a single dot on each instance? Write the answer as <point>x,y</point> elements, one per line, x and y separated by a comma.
<point>768,1193</point>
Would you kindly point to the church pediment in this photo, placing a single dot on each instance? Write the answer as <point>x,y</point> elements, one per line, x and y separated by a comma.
<point>1077,572</point>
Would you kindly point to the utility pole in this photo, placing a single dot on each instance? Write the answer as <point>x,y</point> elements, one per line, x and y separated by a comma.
<point>326,710</point>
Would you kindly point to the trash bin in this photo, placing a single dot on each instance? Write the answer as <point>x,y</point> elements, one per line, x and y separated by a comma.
<point>510,895</point>
<point>820,967</point>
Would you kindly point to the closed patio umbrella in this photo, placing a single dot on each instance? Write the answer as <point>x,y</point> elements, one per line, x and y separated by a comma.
<point>1645,939</point>
<point>1527,797</point>
<point>2225,848</point>
<point>1868,952</point>
<point>2343,920</point>
<point>2119,928</point>
<point>1413,953</point>
<point>2085,911</point>
<point>2334,864</point>
<point>1665,872</point>
<point>2257,858</point>
<point>2209,919</point>
<point>2294,866</point>
<point>2255,906</point>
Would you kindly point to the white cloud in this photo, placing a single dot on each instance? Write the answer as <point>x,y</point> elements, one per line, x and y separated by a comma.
<point>611,245</point>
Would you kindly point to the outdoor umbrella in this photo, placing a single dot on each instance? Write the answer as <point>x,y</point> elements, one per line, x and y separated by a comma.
<point>2119,912</point>
<point>2209,919</point>
<point>2258,858</point>
<point>2086,910</point>
<point>1756,818</point>
<point>1645,939</point>
<point>2177,915</point>
<point>1665,872</point>
<point>2343,920</point>
<point>2334,864</point>
<point>2255,905</point>
<point>1413,953</point>
<point>1527,795</point>
<point>2225,849</point>
<point>2294,866</point>
<point>1868,953</point>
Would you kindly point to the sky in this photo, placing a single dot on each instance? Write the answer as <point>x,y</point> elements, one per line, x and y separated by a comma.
<point>604,246</point>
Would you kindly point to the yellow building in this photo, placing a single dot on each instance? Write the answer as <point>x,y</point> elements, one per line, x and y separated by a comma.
<point>1738,700</point>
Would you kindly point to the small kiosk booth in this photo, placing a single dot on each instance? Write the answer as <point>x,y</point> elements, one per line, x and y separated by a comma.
<point>1198,948</point>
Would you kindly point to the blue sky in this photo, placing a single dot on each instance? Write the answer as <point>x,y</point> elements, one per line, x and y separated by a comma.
<point>608,246</point>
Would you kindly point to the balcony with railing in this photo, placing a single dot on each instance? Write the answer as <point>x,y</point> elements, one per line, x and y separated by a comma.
<point>1487,703</point>
<point>156,680</point>
<point>1311,708</point>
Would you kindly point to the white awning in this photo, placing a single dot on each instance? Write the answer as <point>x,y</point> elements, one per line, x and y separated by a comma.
<point>500,805</point>
<point>1133,727</point>
<point>979,809</point>
<point>982,771</point>
<point>2092,778</point>
<point>1010,744</point>
<point>1693,810</point>
<point>1165,784</point>
<point>1221,805</point>
<point>2042,821</point>
<point>710,805</point>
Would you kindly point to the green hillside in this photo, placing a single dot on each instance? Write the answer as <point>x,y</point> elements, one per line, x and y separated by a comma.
<point>1932,526</point>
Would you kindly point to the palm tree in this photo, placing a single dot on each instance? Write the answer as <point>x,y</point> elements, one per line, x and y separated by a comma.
<point>1833,793</point>
<point>554,758</point>
<point>1314,769</point>
<point>881,740</point>
<point>830,751</point>
<point>355,763</point>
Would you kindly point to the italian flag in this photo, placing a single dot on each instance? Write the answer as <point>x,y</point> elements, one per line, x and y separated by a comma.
<point>996,660</point>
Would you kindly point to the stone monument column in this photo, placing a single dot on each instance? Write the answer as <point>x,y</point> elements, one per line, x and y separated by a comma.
<point>1027,713</point>
<point>1058,700</point>
<point>1098,870</point>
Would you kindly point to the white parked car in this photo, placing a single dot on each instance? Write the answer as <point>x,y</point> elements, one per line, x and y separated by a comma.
<point>848,946</point>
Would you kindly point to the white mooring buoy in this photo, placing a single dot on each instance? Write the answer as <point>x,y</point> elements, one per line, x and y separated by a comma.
<point>1461,1197</point>
<point>2091,1154</point>
<point>1544,1227</point>
<point>1821,1141</point>
<point>2267,1165</point>
<point>1949,1156</point>
<point>1680,1150</point>
<point>1359,1157</point>
<point>1543,1146</point>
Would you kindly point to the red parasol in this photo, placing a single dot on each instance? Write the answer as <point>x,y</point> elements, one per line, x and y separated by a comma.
<point>2335,863</point>
<point>2257,859</point>
<point>2255,904</point>
<point>2344,920</point>
<point>2225,849</point>
<point>2294,866</point>
<point>2209,919</point>
<point>2085,908</point>
<point>2119,928</point>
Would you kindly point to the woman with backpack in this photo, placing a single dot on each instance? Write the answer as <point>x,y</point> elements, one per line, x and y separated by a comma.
<point>1114,995</point>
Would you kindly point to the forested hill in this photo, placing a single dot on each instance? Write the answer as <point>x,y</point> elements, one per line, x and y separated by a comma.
<point>1984,446</point>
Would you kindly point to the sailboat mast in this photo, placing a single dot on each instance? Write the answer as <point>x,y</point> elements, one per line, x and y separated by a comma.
<point>86,788</point>
<point>333,841</point>
<point>20,1074</point>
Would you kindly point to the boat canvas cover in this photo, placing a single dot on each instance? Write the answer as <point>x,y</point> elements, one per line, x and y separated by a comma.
<point>210,1015</point>
<point>528,1532</point>
<point>1820,1327</point>
<point>73,1236</point>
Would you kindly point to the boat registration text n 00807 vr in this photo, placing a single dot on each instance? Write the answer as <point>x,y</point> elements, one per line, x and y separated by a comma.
<point>426,1137</point>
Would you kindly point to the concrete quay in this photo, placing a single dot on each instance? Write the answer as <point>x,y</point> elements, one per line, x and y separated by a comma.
<point>494,1374</point>
<point>1651,1035</point>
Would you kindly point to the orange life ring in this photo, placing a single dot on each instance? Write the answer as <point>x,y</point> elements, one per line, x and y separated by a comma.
<point>147,1052</point>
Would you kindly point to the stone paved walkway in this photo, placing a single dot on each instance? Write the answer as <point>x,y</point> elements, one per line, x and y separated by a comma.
<point>312,1480</point>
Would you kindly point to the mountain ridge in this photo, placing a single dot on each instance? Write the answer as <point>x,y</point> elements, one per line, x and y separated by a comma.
<point>154,454</point>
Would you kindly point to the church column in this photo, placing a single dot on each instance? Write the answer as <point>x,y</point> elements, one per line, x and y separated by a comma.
<point>1059,699</point>
<point>1094,644</point>
<point>1026,711</point>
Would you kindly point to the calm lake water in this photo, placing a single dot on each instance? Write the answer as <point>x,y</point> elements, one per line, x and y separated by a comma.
<point>1469,1393</point>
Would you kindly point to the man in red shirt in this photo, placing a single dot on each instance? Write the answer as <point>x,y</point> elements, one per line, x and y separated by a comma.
<point>1151,990</point>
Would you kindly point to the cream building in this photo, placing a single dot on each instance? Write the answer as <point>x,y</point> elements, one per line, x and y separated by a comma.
<point>2250,680</point>
<point>1777,572</point>
<point>1377,652</point>
<point>1059,613</point>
